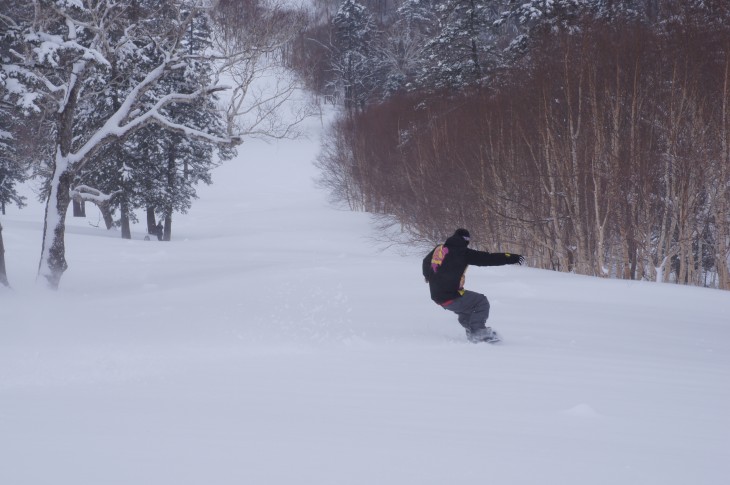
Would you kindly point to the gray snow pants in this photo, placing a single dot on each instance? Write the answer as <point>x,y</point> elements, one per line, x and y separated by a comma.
<point>472,309</point>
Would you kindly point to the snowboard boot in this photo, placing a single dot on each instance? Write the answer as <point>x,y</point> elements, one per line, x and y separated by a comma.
<point>482,335</point>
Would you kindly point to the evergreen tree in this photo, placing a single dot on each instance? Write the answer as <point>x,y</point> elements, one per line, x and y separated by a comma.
<point>614,11</point>
<point>355,58</point>
<point>163,168</point>
<point>181,161</point>
<point>533,17</point>
<point>157,168</point>
<point>11,173</point>
<point>11,170</point>
<point>462,52</point>
<point>405,44</point>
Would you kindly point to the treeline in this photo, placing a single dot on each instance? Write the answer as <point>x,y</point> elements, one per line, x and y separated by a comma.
<point>604,149</point>
<point>361,52</point>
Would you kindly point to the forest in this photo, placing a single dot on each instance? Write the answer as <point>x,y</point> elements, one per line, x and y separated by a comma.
<point>129,104</point>
<point>593,137</point>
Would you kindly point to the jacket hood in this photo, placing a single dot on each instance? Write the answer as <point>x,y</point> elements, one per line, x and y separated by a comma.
<point>459,238</point>
<point>456,242</point>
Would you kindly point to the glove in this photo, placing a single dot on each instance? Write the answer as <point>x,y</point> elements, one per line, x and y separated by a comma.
<point>514,258</point>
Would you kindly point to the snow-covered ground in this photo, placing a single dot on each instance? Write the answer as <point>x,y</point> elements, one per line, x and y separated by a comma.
<point>273,343</point>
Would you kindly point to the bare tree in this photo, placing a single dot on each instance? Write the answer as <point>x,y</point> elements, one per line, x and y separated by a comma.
<point>604,152</point>
<point>250,42</point>
<point>720,189</point>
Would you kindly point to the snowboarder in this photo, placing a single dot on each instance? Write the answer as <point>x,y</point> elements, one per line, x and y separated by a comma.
<point>444,268</point>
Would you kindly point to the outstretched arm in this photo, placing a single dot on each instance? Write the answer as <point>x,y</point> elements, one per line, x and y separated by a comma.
<point>484,258</point>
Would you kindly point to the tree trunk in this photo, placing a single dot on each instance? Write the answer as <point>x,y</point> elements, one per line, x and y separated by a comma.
<point>124,216</point>
<point>53,253</point>
<point>151,222</point>
<point>79,208</point>
<point>722,251</point>
<point>106,214</point>
<point>3,274</point>
<point>171,172</point>
<point>167,234</point>
<point>722,198</point>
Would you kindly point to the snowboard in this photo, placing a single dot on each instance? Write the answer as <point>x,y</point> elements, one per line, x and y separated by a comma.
<point>494,339</point>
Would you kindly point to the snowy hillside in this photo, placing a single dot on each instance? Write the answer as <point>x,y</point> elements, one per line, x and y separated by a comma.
<point>272,343</point>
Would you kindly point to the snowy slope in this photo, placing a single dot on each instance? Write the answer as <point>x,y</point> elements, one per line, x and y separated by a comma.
<point>272,343</point>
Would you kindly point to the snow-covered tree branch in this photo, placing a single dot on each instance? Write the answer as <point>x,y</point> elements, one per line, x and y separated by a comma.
<point>103,70</point>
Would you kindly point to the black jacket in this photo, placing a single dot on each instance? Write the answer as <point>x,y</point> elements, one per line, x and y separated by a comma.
<point>445,282</point>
